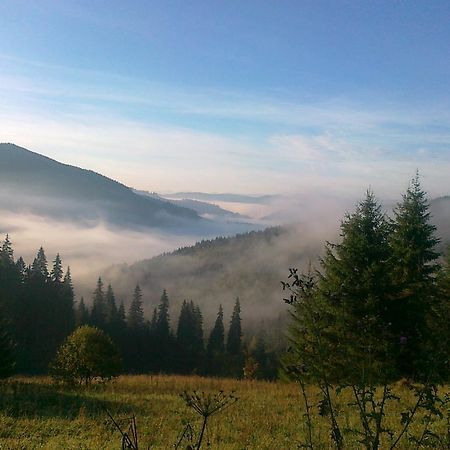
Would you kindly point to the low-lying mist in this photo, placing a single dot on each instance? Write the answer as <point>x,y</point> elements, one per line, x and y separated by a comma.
<point>215,272</point>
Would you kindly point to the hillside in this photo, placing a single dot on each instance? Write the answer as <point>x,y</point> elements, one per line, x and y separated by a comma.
<point>249,266</point>
<point>212,272</point>
<point>30,182</point>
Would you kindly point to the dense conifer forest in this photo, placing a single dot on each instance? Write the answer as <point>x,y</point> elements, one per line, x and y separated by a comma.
<point>39,311</point>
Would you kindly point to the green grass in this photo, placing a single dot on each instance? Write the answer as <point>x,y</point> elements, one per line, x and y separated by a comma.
<point>34,413</point>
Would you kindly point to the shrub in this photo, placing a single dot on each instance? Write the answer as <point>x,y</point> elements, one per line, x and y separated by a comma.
<point>87,354</point>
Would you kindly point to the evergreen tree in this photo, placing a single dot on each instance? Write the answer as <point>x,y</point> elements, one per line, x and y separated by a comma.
<point>56,274</point>
<point>40,267</point>
<point>190,337</point>
<point>121,314</point>
<point>68,302</point>
<point>110,307</point>
<point>216,346</point>
<point>216,341</point>
<point>234,340</point>
<point>162,329</point>
<point>441,321</point>
<point>136,313</point>
<point>164,355</point>
<point>154,321</point>
<point>98,313</point>
<point>356,293</point>
<point>415,267</point>
<point>6,252</point>
<point>21,268</point>
<point>82,314</point>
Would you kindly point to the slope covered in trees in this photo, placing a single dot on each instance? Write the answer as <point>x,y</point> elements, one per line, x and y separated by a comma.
<point>215,272</point>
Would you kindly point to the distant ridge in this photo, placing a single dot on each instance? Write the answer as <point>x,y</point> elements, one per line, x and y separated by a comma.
<point>34,183</point>
<point>224,197</point>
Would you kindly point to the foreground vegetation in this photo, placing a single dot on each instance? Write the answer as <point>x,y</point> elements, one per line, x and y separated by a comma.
<point>38,414</point>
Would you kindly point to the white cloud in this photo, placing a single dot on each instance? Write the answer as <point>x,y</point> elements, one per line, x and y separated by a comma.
<point>89,119</point>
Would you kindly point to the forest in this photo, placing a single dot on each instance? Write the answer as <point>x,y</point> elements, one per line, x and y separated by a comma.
<point>39,311</point>
<point>373,313</point>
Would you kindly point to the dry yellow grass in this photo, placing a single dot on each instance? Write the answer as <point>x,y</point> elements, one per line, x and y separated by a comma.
<point>37,414</point>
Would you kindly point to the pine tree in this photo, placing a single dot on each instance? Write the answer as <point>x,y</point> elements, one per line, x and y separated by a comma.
<point>216,341</point>
<point>190,337</point>
<point>121,313</point>
<point>234,340</point>
<point>40,267</point>
<point>154,322</point>
<point>56,274</point>
<point>440,347</point>
<point>82,314</point>
<point>21,268</point>
<point>415,267</point>
<point>216,346</point>
<point>98,313</point>
<point>355,295</point>
<point>162,329</point>
<point>111,307</point>
<point>67,300</point>
<point>136,313</point>
<point>6,251</point>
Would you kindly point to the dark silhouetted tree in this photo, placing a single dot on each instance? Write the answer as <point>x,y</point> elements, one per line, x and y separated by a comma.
<point>82,314</point>
<point>135,316</point>
<point>56,274</point>
<point>234,339</point>
<point>216,346</point>
<point>98,312</point>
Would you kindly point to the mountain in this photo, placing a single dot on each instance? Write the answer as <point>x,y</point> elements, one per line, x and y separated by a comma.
<point>30,182</point>
<point>204,209</point>
<point>226,197</point>
<point>249,266</point>
<point>213,272</point>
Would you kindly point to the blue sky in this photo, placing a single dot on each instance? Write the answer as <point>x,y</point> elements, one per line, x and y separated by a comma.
<point>243,96</point>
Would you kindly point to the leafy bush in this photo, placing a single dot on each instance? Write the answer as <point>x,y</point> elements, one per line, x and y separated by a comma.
<point>87,354</point>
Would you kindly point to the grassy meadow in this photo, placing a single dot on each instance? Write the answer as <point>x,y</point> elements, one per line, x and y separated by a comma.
<point>38,414</point>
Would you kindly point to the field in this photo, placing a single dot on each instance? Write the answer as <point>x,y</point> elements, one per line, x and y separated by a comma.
<point>37,414</point>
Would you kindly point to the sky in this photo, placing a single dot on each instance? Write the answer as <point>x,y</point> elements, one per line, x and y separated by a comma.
<point>233,96</point>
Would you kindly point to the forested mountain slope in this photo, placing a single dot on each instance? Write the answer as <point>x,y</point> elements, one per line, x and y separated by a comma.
<point>249,266</point>
<point>213,272</point>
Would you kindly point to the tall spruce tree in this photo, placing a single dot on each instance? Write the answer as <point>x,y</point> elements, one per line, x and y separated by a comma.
<point>355,292</point>
<point>234,339</point>
<point>136,313</point>
<point>68,302</point>
<point>57,273</point>
<point>216,346</point>
<point>216,341</point>
<point>415,267</point>
<point>110,307</point>
<point>6,251</point>
<point>40,266</point>
<point>81,314</point>
<point>162,329</point>
<point>98,312</point>
<point>190,337</point>
<point>440,326</point>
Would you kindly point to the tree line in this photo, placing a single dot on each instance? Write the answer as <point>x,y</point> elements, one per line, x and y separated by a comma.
<point>38,311</point>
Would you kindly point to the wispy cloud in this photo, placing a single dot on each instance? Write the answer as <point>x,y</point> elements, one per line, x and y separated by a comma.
<point>161,137</point>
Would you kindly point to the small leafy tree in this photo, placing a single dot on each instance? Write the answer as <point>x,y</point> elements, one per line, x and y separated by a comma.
<point>87,354</point>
